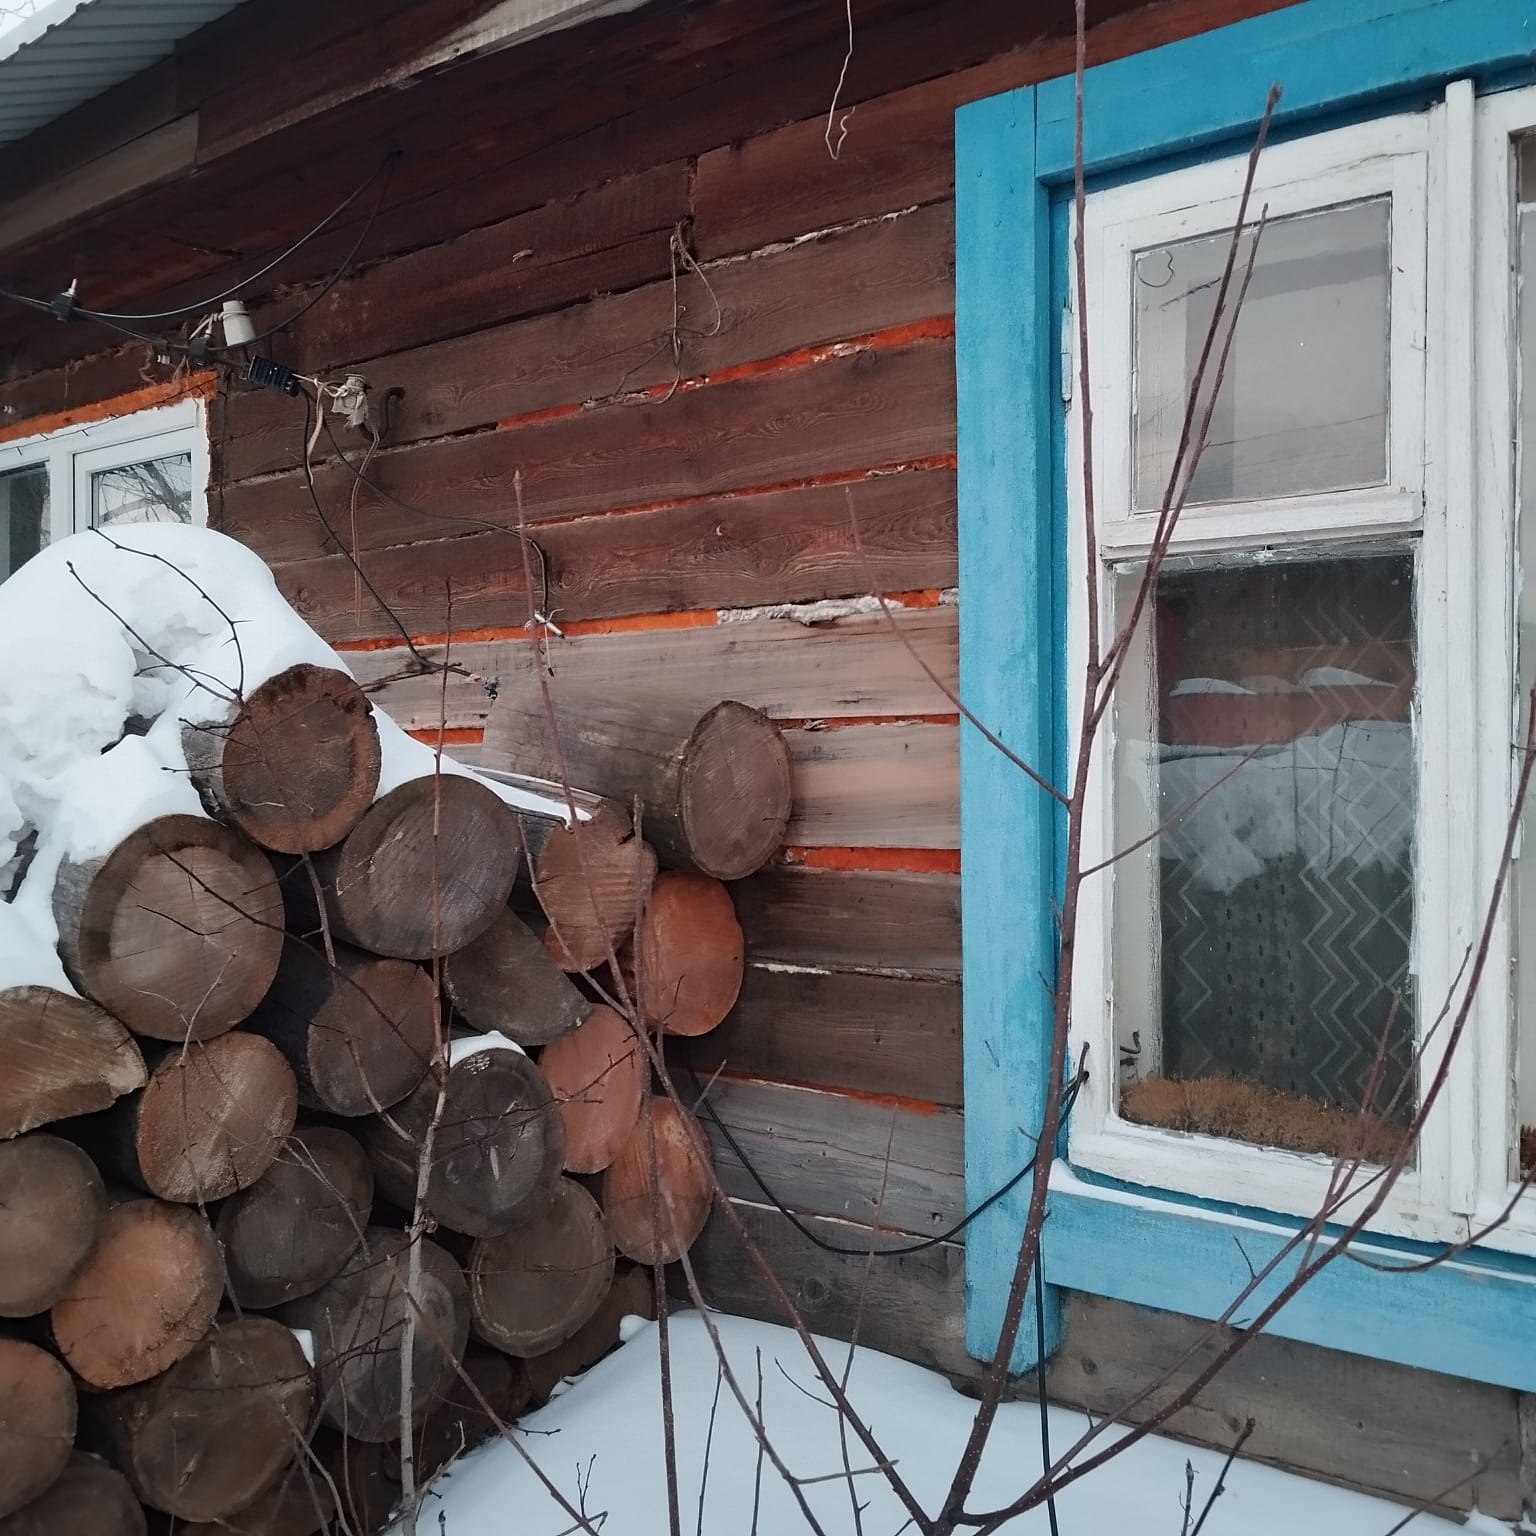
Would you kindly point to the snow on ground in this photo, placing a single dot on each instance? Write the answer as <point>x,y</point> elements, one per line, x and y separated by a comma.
<point>611,1421</point>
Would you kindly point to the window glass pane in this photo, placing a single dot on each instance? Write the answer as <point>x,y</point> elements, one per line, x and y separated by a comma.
<point>156,491</point>
<point>23,515</point>
<point>1303,403</point>
<point>1263,941</point>
<point>1525,867</point>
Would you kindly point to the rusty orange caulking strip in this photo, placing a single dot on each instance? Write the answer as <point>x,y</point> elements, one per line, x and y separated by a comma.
<point>199,387</point>
<point>841,722</point>
<point>910,861</point>
<point>453,736</point>
<point>888,1100</point>
<point>936,328</point>
<point>692,618</point>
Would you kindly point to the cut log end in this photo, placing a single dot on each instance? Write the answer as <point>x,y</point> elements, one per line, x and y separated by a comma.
<point>60,1056</point>
<point>37,1422</point>
<point>299,1503</point>
<point>358,1034</point>
<point>630,1295</point>
<point>532,1288</point>
<point>51,1208</point>
<point>498,1148</point>
<point>656,1212</point>
<point>505,980</point>
<point>176,932</point>
<point>298,765</point>
<point>425,871</point>
<point>298,1225</point>
<point>87,1497</point>
<point>144,1297</point>
<point>591,882</point>
<point>358,1322</point>
<point>206,1438</point>
<point>735,791</point>
<point>212,1119</point>
<point>598,1076</point>
<point>692,954</point>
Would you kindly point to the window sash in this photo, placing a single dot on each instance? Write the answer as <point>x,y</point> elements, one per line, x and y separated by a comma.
<point>1433,497</point>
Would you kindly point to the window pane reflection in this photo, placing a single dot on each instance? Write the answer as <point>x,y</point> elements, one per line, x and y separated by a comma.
<point>1265,959</point>
<point>155,491</point>
<point>1303,403</point>
<point>23,515</point>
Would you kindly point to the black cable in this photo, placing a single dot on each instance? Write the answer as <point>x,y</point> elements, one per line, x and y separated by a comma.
<point>1068,1099</point>
<point>387,170</point>
<point>451,517</point>
<point>21,298</point>
<point>203,305</point>
<point>335,538</point>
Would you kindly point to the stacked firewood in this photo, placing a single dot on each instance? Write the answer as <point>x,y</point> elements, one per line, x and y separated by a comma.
<point>339,1081</point>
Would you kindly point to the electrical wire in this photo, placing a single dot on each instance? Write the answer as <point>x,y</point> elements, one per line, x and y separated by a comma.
<point>387,171</point>
<point>203,305</point>
<point>1068,1099</point>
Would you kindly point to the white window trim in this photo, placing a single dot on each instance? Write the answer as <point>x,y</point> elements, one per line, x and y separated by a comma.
<point>1460,443</point>
<point>74,453</point>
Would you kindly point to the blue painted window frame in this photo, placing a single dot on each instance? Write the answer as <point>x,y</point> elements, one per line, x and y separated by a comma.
<point>1474,1317</point>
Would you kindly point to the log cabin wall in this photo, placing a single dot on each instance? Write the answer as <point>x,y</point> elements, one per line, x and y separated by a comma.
<point>626,264</point>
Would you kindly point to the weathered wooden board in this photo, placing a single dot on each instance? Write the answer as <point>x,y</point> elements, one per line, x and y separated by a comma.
<point>876,786</point>
<point>829,1154</point>
<point>912,1306</point>
<point>877,407</point>
<point>850,284</point>
<point>852,919</point>
<point>1369,1423</point>
<point>722,552</point>
<point>852,669</point>
<point>616,236</point>
<point>868,1034</point>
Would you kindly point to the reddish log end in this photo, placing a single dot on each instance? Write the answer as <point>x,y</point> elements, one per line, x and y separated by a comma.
<point>598,1077</point>
<point>658,1193</point>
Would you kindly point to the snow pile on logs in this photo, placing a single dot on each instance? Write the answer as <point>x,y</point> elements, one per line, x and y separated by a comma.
<point>229,890</point>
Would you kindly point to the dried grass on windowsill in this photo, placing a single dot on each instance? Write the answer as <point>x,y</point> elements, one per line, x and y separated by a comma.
<point>1226,1106</point>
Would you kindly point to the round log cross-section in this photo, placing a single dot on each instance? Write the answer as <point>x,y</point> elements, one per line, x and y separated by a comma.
<point>691,954</point>
<point>358,1034</point>
<point>144,1297</point>
<point>425,871</point>
<point>37,1422</point>
<point>497,1151</point>
<point>658,1215</point>
<point>506,980</point>
<point>51,1208</point>
<point>176,932</point>
<point>203,1440</point>
<point>300,1222</point>
<point>598,1077</point>
<point>358,1321</point>
<point>87,1497</point>
<point>297,765</point>
<point>533,1287</point>
<point>211,1120</point>
<point>60,1056</point>
<point>299,1503</point>
<point>591,881</point>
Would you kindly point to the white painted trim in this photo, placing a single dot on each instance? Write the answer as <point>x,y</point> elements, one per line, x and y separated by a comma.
<point>72,453</point>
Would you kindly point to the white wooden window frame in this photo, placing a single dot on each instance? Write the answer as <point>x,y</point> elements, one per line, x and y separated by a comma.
<point>1449,495</point>
<point>73,454</point>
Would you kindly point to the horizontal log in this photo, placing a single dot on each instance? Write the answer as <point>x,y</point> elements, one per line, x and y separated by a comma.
<point>89,1496</point>
<point>852,920</point>
<point>875,407</point>
<point>727,552</point>
<point>876,786</point>
<point>616,236</point>
<point>847,670</point>
<point>51,1209</point>
<point>850,284</point>
<point>827,1154</point>
<point>869,1034</point>
<point>37,1422</point>
<point>911,1306</point>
